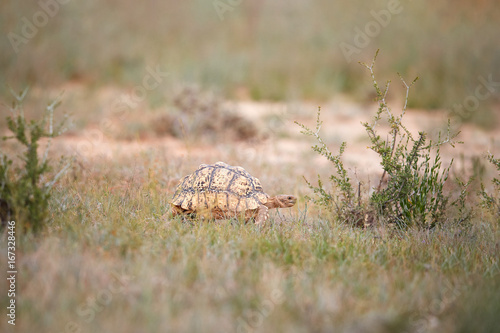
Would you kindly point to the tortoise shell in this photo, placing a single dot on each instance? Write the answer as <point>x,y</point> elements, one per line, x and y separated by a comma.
<point>220,188</point>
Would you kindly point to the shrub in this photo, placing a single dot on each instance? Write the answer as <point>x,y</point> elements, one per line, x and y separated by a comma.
<point>410,190</point>
<point>201,115</point>
<point>492,202</point>
<point>24,194</point>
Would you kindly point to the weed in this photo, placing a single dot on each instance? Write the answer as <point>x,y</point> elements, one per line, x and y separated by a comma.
<point>24,195</point>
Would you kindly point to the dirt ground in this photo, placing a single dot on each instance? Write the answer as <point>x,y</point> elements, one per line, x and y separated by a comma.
<point>98,135</point>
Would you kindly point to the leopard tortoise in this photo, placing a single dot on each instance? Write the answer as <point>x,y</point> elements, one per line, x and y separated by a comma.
<point>221,191</point>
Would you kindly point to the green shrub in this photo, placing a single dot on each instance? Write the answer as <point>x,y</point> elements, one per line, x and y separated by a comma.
<point>24,194</point>
<point>492,202</point>
<point>410,190</point>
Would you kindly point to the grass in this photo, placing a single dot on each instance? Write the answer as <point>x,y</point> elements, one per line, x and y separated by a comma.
<point>113,252</point>
<point>111,258</point>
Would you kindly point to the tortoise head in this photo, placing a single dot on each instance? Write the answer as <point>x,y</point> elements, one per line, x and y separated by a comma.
<point>281,201</point>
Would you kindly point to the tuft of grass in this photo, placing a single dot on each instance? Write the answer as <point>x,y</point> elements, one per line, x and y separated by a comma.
<point>414,192</point>
<point>192,115</point>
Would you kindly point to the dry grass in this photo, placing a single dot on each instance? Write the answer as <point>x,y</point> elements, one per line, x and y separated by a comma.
<point>112,259</point>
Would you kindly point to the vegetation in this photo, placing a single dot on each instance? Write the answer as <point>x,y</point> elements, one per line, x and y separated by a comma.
<point>492,201</point>
<point>410,190</point>
<point>113,260</point>
<point>112,251</point>
<point>100,251</point>
<point>343,203</point>
<point>202,116</point>
<point>24,191</point>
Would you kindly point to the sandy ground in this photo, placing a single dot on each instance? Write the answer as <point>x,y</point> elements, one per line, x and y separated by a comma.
<point>283,143</point>
<point>280,146</point>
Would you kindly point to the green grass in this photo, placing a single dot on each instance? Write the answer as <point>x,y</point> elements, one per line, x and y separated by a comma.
<point>113,260</point>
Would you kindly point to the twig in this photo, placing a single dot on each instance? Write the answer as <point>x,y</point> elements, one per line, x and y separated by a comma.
<point>59,174</point>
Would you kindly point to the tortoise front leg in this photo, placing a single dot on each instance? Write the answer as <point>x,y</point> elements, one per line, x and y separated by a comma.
<point>176,210</point>
<point>262,214</point>
<point>186,215</point>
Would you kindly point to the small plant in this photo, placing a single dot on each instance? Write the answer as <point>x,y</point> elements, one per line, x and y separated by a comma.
<point>24,193</point>
<point>344,205</point>
<point>410,190</point>
<point>492,202</point>
<point>414,190</point>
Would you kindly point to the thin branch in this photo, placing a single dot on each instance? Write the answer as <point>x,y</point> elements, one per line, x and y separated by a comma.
<point>59,175</point>
<point>19,97</point>
<point>49,142</point>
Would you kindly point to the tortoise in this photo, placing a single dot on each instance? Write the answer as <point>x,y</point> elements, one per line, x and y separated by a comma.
<point>221,191</point>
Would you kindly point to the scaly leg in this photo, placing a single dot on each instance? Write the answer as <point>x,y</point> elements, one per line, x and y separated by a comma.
<point>262,214</point>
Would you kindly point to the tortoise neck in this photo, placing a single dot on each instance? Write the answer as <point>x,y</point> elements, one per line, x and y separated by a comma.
<point>272,202</point>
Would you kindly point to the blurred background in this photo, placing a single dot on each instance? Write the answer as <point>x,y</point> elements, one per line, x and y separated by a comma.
<point>259,49</point>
